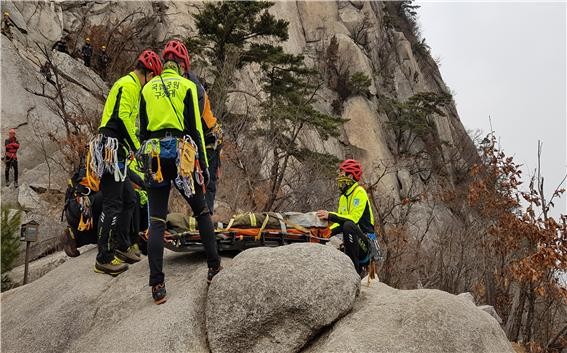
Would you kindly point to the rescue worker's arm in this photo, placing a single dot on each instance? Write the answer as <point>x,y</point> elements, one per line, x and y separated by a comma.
<point>200,90</point>
<point>357,207</point>
<point>12,145</point>
<point>15,145</point>
<point>193,125</point>
<point>143,119</point>
<point>207,114</point>
<point>128,102</point>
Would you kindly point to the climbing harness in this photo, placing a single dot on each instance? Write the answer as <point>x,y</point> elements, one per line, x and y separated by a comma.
<point>185,153</point>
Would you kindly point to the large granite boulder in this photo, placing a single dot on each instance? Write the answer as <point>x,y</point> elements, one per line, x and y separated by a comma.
<point>73,309</point>
<point>276,299</point>
<point>424,320</point>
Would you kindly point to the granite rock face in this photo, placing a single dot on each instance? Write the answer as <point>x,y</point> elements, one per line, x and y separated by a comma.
<point>422,320</point>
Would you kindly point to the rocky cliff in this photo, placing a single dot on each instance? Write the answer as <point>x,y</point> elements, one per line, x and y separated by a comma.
<point>374,38</point>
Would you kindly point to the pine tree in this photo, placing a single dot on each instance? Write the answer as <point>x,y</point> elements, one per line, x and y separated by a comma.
<point>225,32</point>
<point>288,111</point>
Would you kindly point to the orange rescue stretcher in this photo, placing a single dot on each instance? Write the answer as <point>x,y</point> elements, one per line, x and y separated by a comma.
<point>231,238</point>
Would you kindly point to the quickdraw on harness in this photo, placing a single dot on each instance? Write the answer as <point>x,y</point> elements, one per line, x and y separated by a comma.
<point>217,134</point>
<point>150,149</point>
<point>80,193</point>
<point>186,155</point>
<point>86,221</point>
<point>103,157</point>
<point>187,163</point>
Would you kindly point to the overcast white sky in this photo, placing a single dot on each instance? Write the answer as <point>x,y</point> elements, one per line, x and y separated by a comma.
<point>507,60</point>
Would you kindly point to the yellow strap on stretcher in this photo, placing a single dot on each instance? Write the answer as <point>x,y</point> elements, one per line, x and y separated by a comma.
<point>266,219</point>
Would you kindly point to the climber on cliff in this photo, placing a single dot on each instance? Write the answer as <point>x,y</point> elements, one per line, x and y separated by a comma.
<point>103,59</point>
<point>354,218</point>
<point>61,45</point>
<point>174,145</point>
<point>11,146</point>
<point>213,133</point>
<point>87,52</point>
<point>6,24</point>
<point>110,151</point>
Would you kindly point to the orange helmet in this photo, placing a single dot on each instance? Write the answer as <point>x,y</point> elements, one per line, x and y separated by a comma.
<point>352,167</point>
<point>175,49</point>
<point>151,61</point>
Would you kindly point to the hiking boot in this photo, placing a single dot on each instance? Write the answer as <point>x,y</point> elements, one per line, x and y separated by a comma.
<point>114,268</point>
<point>69,243</point>
<point>363,273</point>
<point>159,293</point>
<point>212,273</point>
<point>136,250</point>
<point>128,256</point>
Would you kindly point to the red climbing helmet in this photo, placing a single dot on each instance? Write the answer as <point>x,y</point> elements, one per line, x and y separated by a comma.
<point>12,132</point>
<point>151,61</point>
<point>178,50</point>
<point>352,167</point>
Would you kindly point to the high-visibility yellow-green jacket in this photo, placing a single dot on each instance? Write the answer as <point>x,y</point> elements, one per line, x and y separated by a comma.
<point>177,114</point>
<point>354,206</point>
<point>121,111</point>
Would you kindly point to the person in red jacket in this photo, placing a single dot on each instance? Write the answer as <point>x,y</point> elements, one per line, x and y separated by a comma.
<point>11,144</point>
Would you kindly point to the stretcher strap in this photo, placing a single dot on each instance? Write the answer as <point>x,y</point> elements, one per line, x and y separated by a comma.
<point>157,219</point>
<point>282,223</point>
<point>230,224</point>
<point>293,225</point>
<point>266,219</point>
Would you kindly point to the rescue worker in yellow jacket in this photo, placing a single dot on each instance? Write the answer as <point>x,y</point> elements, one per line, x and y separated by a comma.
<point>354,218</point>
<point>174,146</point>
<point>109,154</point>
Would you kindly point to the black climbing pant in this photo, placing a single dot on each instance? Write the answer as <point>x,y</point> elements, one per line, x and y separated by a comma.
<point>118,202</point>
<point>158,198</point>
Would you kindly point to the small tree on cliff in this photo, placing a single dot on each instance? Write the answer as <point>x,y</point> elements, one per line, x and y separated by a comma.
<point>288,111</point>
<point>231,36</point>
<point>225,32</point>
